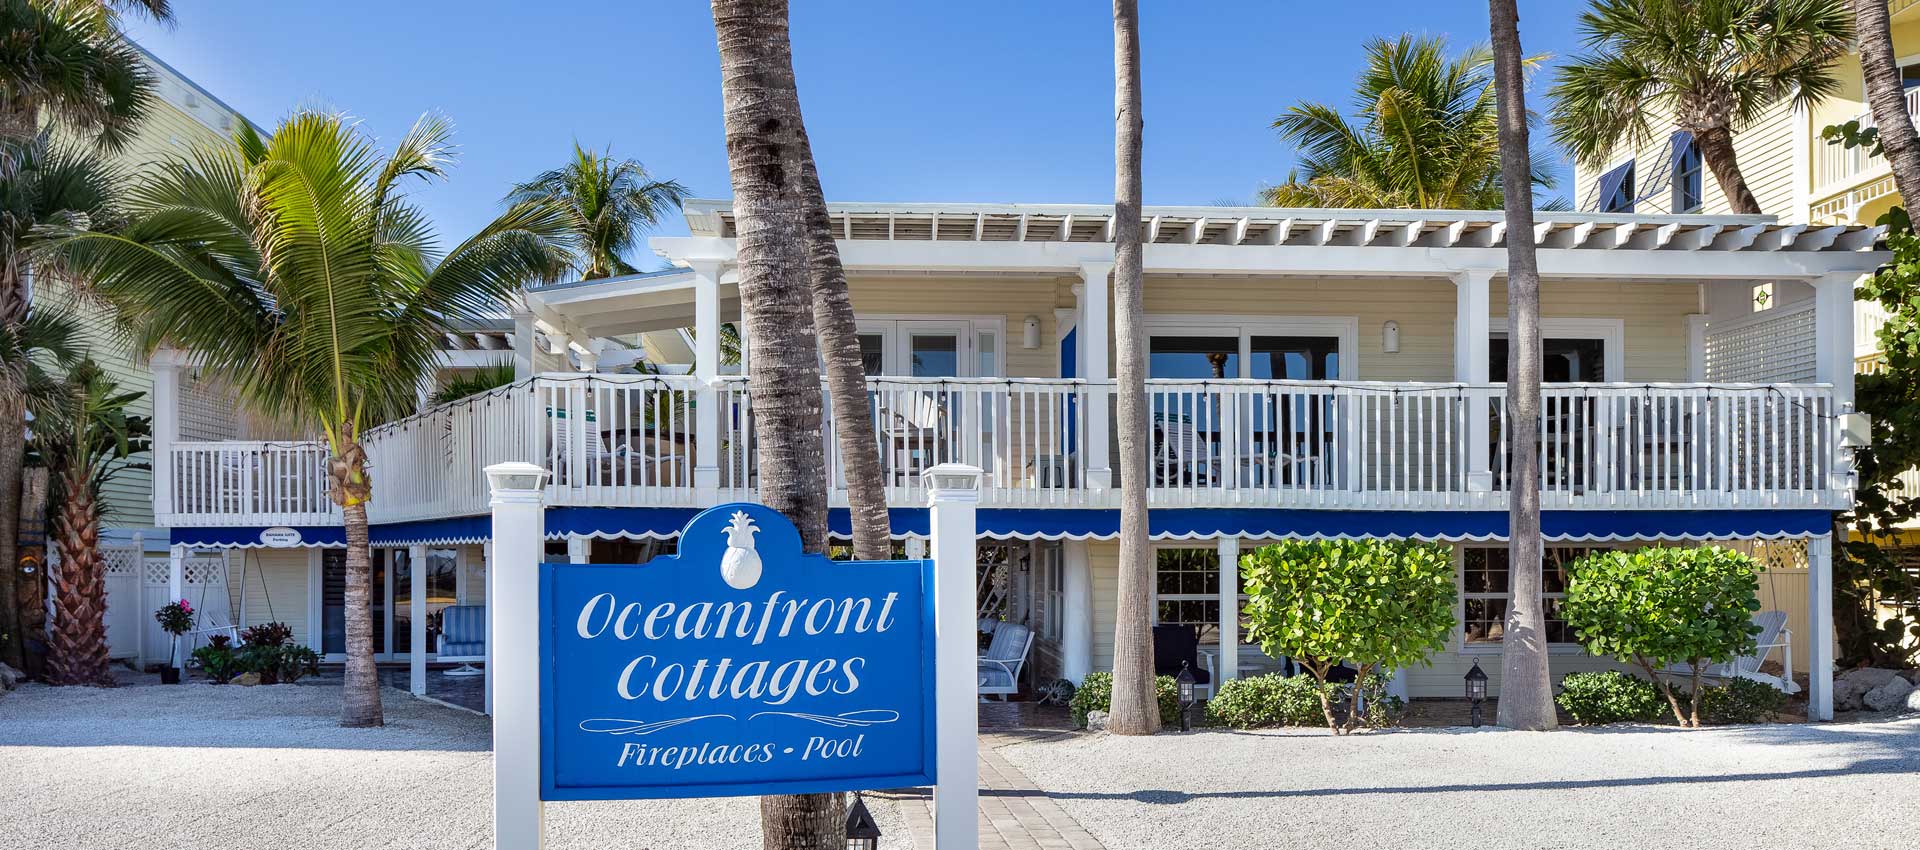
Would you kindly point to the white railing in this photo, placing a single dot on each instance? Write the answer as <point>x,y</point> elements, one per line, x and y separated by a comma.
<point>639,440</point>
<point>264,483</point>
<point>1835,164</point>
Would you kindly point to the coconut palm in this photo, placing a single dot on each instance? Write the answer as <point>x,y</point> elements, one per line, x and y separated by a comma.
<point>86,437</point>
<point>295,268</point>
<point>1887,96</point>
<point>1424,135</point>
<point>1526,691</point>
<point>1709,67</point>
<point>609,202</point>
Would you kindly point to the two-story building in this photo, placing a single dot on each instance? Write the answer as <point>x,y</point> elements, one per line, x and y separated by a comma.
<point>1314,373</point>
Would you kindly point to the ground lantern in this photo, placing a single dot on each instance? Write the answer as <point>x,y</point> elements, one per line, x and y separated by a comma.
<point>1476,689</point>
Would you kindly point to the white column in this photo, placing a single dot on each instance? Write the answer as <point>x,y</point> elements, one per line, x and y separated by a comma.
<point>1229,611</point>
<point>1697,348</point>
<point>1833,334</point>
<point>953,494</point>
<point>706,372</point>
<point>1472,365</point>
<point>1820,623</point>
<point>489,565</point>
<point>1076,621</point>
<point>514,616</point>
<point>176,590</point>
<point>417,618</point>
<point>523,350</point>
<point>579,549</point>
<point>166,428</point>
<point>1094,338</point>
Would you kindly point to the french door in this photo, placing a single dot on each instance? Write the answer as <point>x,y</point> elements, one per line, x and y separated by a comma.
<point>391,577</point>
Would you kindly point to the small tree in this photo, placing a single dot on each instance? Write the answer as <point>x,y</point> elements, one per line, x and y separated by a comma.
<point>1663,605</point>
<point>1379,604</point>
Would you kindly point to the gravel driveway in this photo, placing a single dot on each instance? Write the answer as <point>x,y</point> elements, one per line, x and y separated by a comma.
<point>199,766</point>
<point>1848,785</point>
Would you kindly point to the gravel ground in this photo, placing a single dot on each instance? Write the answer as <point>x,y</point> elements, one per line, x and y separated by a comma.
<point>199,766</point>
<point>1735,787</point>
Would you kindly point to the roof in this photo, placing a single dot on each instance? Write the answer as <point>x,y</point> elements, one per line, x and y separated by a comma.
<point>1274,226</point>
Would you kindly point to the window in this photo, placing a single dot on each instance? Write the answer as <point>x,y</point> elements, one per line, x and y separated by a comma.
<point>1052,593</point>
<point>1615,193</point>
<point>1485,590</point>
<point>1187,590</point>
<point>1688,173</point>
<point>1562,361</point>
<point>1296,358</point>
<point>1762,296</point>
<point>1199,357</point>
<point>873,349</point>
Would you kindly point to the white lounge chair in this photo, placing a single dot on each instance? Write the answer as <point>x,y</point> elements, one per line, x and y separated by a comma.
<point>1774,634</point>
<point>1006,654</point>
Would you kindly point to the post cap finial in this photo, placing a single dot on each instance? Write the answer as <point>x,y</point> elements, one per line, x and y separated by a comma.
<point>953,482</point>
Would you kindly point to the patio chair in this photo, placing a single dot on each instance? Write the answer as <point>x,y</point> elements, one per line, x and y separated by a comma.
<point>1774,634</point>
<point>1175,646</point>
<point>1179,456</point>
<point>911,432</point>
<point>1000,667</point>
<point>463,637</point>
<point>598,455</point>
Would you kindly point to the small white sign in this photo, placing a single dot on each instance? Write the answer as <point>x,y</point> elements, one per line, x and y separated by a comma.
<point>280,537</point>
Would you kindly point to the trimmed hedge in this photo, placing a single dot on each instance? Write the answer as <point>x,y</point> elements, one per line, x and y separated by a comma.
<point>1096,694</point>
<point>1741,701</point>
<point>1258,702</point>
<point>1610,696</point>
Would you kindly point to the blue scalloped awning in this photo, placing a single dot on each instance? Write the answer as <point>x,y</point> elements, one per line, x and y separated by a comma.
<point>228,537</point>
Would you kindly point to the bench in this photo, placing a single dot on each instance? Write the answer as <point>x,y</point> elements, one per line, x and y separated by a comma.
<point>1006,654</point>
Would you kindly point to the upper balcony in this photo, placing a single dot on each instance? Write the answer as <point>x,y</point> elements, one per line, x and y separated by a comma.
<point>636,441</point>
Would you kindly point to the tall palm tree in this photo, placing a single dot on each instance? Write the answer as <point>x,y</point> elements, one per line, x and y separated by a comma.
<point>87,438</point>
<point>67,61</point>
<point>1425,135</point>
<point>608,201</point>
<point>295,268</point>
<point>1136,709</point>
<point>40,182</point>
<point>767,159</point>
<point>1710,67</point>
<point>1526,690</point>
<point>1887,96</point>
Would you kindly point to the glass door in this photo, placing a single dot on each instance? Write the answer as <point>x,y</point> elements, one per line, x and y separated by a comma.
<point>333,602</point>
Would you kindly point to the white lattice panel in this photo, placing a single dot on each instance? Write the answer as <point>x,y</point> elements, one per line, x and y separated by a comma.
<point>121,561</point>
<point>206,411</point>
<point>1781,555</point>
<point>197,570</point>
<point>1770,347</point>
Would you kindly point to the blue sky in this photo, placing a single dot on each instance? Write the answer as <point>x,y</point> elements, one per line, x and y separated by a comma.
<point>983,101</point>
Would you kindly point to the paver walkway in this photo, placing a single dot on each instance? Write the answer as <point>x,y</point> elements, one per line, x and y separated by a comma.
<point>1014,813</point>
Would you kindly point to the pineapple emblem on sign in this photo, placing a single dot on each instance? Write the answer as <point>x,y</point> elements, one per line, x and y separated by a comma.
<point>740,565</point>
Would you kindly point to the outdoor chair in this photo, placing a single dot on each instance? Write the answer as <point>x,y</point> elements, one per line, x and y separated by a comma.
<point>1179,454</point>
<point>1006,654</point>
<point>1175,646</point>
<point>463,637</point>
<point>1774,634</point>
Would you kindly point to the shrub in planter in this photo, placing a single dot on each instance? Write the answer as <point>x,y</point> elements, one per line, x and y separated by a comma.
<point>1742,701</point>
<point>1096,694</point>
<point>1609,696</point>
<point>1665,605</point>
<point>1382,605</point>
<point>217,661</point>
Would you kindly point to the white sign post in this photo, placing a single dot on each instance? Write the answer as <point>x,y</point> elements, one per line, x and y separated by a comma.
<point>954,493</point>
<point>513,614</point>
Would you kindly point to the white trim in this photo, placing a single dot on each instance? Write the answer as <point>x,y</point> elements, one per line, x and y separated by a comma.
<point>1344,328</point>
<point>893,329</point>
<point>1611,332</point>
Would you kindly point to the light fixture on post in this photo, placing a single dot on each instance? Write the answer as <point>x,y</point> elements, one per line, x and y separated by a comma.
<point>1476,689</point>
<point>1390,337</point>
<point>862,832</point>
<point>1185,681</point>
<point>1030,333</point>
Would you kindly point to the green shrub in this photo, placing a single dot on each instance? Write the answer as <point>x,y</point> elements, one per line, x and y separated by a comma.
<point>1609,696</point>
<point>297,660</point>
<point>1096,694</point>
<point>1382,605</point>
<point>1262,701</point>
<point>1663,605</point>
<point>1741,701</point>
<point>217,662</point>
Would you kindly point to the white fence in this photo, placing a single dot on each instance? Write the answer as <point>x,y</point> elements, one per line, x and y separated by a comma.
<point>136,586</point>
<point>273,483</point>
<point>637,440</point>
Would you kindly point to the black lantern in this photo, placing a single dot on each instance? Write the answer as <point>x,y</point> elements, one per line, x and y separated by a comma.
<point>862,832</point>
<point>1185,681</point>
<point>1476,689</point>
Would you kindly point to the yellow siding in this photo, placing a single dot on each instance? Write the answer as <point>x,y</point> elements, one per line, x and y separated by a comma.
<point>1010,297</point>
<point>1765,152</point>
<point>1103,564</point>
<point>1424,310</point>
<point>1653,315</point>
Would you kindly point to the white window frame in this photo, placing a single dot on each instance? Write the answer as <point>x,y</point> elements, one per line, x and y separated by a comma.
<point>1154,596</point>
<point>1052,592</point>
<point>1611,332</point>
<point>1346,329</point>
<point>1460,597</point>
<point>894,328</point>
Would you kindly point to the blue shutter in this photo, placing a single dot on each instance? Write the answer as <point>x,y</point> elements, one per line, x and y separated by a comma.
<point>1678,145</point>
<point>1610,186</point>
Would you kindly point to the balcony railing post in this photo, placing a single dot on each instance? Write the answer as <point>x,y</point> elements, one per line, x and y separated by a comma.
<point>706,371</point>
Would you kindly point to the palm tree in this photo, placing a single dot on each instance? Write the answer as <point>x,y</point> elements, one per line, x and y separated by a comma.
<point>67,60</point>
<point>1135,707</point>
<point>87,438</point>
<point>609,201</point>
<point>40,182</point>
<point>768,158</point>
<point>1886,96</point>
<point>1710,67</point>
<point>1526,690</point>
<point>295,268</point>
<point>1424,135</point>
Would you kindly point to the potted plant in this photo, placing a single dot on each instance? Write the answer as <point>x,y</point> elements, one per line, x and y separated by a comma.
<point>217,659</point>
<point>176,619</point>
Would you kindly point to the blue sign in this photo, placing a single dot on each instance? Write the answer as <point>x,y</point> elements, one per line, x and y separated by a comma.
<point>737,667</point>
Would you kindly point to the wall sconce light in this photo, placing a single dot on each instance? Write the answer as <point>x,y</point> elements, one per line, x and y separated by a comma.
<point>1030,336</point>
<point>1390,337</point>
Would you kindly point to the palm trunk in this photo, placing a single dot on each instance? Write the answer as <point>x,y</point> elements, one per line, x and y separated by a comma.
<point>360,695</point>
<point>1526,686</point>
<point>1886,95</point>
<point>77,649</point>
<point>1716,148</point>
<point>1136,708</point>
<point>13,430</point>
<point>767,158</point>
<point>846,379</point>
